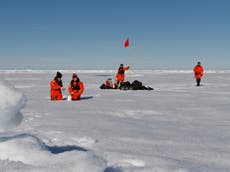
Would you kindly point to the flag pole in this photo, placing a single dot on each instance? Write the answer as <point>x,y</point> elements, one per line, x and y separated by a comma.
<point>129,63</point>
<point>126,44</point>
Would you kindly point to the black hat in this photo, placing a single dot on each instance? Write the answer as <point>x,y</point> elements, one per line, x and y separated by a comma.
<point>58,75</point>
<point>74,75</point>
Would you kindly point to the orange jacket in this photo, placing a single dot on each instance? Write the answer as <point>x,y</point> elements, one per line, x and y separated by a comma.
<point>121,74</point>
<point>76,89</point>
<point>109,84</point>
<point>55,90</point>
<point>198,71</point>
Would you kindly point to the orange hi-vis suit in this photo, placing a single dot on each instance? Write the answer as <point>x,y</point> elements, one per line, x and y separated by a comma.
<point>55,90</point>
<point>121,74</point>
<point>76,88</point>
<point>198,71</point>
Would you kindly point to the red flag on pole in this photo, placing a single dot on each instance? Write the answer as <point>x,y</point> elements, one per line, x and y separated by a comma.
<point>126,44</point>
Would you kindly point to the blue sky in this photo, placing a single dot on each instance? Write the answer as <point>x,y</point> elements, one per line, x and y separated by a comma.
<point>89,34</point>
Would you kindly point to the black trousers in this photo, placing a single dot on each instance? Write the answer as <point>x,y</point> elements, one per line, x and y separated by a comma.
<point>198,81</point>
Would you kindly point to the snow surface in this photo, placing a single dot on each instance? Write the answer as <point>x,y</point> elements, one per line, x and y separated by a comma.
<point>177,127</point>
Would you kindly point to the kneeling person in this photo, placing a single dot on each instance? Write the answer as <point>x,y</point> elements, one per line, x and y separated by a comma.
<point>56,87</point>
<point>76,87</point>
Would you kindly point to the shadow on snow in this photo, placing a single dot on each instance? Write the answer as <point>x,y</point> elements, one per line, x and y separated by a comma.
<point>52,149</point>
<point>62,149</point>
<point>86,97</point>
<point>113,169</point>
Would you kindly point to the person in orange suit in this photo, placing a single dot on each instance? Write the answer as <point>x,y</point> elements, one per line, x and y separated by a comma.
<point>198,72</point>
<point>120,76</point>
<point>76,87</point>
<point>109,83</point>
<point>56,87</point>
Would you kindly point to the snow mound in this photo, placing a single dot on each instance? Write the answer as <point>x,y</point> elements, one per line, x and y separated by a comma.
<point>11,102</point>
<point>30,150</point>
<point>17,148</point>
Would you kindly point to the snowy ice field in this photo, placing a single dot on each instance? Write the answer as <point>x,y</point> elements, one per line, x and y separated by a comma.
<point>178,127</point>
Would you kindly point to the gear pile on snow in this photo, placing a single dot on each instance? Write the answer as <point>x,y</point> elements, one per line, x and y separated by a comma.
<point>136,85</point>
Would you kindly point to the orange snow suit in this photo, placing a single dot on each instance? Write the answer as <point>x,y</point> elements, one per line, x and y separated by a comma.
<point>55,90</point>
<point>76,88</point>
<point>108,84</point>
<point>121,74</point>
<point>198,71</point>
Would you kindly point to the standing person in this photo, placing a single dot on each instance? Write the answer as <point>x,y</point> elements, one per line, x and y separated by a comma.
<point>198,72</point>
<point>56,87</point>
<point>121,74</point>
<point>76,87</point>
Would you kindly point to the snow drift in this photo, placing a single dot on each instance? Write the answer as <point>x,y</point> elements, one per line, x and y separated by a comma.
<point>18,148</point>
<point>11,102</point>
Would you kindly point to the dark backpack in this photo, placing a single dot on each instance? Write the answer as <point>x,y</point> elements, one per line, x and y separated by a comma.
<point>125,86</point>
<point>137,85</point>
<point>103,86</point>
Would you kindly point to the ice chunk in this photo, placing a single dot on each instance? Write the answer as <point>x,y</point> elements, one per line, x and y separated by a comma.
<point>11,102</point>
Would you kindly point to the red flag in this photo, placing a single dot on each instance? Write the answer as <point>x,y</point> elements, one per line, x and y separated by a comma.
<point>126,44</point>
